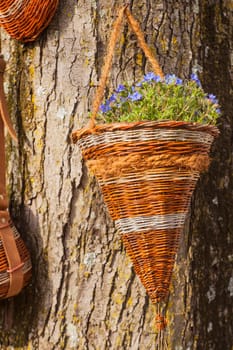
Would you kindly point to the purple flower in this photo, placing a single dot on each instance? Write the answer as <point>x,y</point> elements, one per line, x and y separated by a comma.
<point>105,108</point>
<point>212,98</point>
<point>157,78</point>
<point>112,98</point>
<point>136,96</point>
<point>120,88</point>
<point>218,110</point>
<point>195,78</point>
<point>173,79</point>
<point>179,81</point>
<point>149,76</point>
<point>170,79</point>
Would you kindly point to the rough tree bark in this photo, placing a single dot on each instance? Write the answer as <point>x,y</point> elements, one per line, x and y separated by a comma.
<point>84,294</point>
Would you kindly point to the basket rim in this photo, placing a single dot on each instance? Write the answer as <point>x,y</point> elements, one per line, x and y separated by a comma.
<point>18,24</point>
<point>173,124</point>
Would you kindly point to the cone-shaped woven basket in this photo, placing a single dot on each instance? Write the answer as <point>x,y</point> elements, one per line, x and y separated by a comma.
<point>147,172</point>
<point>24,20</point>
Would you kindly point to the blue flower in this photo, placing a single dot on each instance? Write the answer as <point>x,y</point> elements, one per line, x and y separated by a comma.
<point>173,79</point>
<point>105,108</point>
<point>136,96</point>
<point>179,81</point>
<point>195,78</point>
<point>112,98</point>
<point>149,76</point>
<point>218,110</point>
<point>120,88</point>
<point>212,98</point>
<point>170,79</point>
<point>157,78</point>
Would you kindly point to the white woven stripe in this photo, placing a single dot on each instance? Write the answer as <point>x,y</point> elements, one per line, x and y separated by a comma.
<point>145,135</point>
<point>13,11</point>
<point>4,276</point>
<point>151,176</point>
<point>148,223</point>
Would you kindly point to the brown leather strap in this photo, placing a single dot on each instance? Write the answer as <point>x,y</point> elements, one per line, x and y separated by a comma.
<point>4,120</point>
<point>15,263</point>
<point>3,198</point>
<point>3,106</point>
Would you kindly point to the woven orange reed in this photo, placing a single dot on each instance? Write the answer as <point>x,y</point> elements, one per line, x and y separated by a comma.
<point>5,272</point>
<point>147,172</point>
<point>24,20</point>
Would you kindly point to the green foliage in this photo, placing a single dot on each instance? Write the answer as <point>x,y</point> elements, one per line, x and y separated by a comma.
<point>156,99</point>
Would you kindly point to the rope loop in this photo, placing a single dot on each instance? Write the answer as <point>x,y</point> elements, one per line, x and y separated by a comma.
<point>116,31</point>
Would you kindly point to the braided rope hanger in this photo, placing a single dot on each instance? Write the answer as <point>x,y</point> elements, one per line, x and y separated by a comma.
<point>124,11</point>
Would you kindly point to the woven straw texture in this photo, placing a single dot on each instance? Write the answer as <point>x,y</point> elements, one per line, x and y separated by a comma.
<point>24,20</point>
<point>4,264</point>
<point>147,172</point>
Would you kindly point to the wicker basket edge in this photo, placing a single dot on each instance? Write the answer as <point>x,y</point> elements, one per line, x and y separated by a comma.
<point>100,128</point>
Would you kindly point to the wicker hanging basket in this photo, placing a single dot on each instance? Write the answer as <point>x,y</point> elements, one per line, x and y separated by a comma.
<point>15,266</point>
<point>15,262</point>
<point>24,20</point>
<point>147,172</point>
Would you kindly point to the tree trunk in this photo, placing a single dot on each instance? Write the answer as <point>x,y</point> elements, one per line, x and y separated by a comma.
<point>84,293</point>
